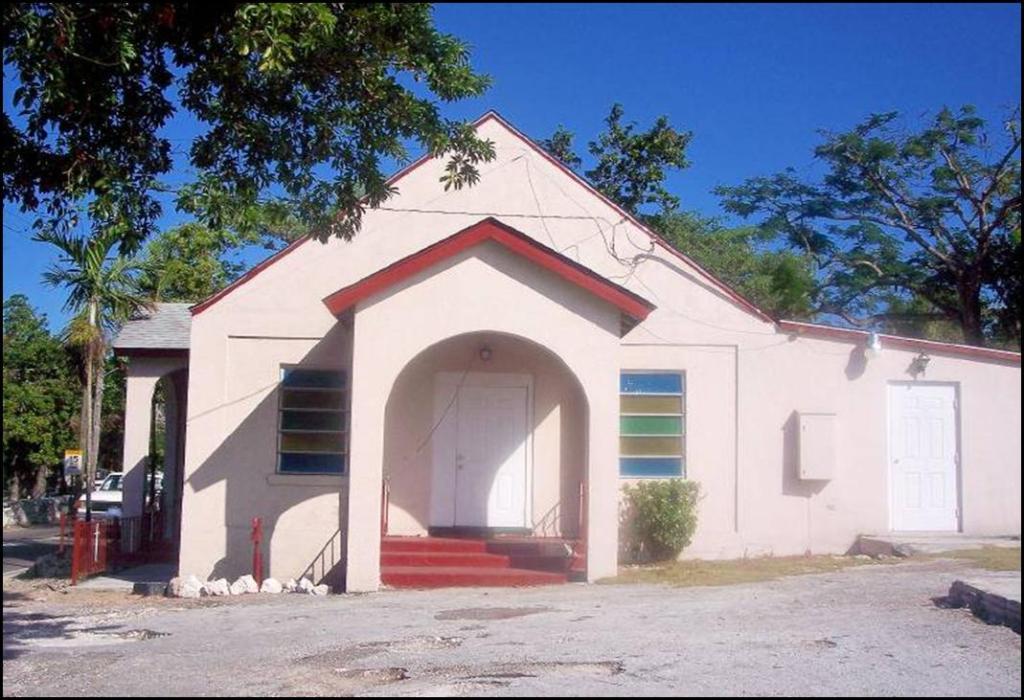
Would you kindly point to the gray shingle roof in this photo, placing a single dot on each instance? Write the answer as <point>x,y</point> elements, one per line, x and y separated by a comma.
<point>166,327</point>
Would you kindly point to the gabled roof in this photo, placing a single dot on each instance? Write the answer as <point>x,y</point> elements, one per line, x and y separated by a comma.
<point>634,307</point>
<point>792,327</point>
<point>164,329</point>
<point>492,115</point>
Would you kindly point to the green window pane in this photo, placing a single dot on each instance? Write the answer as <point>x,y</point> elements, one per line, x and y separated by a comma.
<point>650,446</point>
<point>312,420</point>
<point>312,442</point>
<point>650,404</point>
<point>650,425</point>
<point>297,398</point>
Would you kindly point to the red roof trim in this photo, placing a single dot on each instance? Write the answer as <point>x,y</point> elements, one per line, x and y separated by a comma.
<point>728,291</point>
<point>491,229</point>
<point>900,342</point>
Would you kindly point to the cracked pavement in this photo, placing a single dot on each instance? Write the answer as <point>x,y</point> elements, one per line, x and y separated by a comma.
<point>863,631</point>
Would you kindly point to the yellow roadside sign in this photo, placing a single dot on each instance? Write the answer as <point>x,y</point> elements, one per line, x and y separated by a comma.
<point>72,462</point>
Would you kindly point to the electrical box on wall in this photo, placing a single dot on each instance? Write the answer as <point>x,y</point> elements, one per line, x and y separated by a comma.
<point>817,437</point>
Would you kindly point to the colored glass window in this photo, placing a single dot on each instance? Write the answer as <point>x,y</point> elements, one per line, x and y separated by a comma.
<point>312,422</point>
<point>652,424</point>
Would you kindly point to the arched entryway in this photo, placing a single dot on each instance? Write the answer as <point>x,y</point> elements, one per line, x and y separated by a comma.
<point>154,447</point>
<point>485,433</point>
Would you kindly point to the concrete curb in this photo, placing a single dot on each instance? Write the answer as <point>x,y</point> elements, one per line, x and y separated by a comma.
<point>993,607</point>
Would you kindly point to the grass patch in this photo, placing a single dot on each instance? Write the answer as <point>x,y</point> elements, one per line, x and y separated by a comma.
<point>990,558</point>
<point>698,572</point>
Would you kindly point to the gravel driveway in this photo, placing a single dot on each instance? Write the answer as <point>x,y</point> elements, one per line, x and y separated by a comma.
<point>870,630</point>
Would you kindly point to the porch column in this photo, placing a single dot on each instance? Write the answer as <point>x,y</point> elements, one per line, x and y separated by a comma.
<point>174,443</point>
<point>370,385</point>
<point>601,384</point>
<point>139,387</point>
<point>141,378</point>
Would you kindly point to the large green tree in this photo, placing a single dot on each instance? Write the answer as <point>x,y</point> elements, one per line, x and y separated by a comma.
<point>780,282</point>
<point>907,223</point>
<point>629,165</point>
<point>297,105</point>
<point>102,292</point>
<point>189,263</point>
<point>40,399</point>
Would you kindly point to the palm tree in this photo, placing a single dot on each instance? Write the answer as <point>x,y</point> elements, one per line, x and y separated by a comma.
<point>102,293</point>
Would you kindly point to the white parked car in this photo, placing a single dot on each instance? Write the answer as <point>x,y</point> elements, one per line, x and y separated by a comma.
<point>106,500</point>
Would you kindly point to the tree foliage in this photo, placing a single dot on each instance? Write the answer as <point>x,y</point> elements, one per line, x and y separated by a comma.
<point>906,224</point>
<point>40,398</point>
<point>298,105</point>
<point>630,166</point>
<point>780,282</point>
<point>189,263</point>
<point>102,292</point>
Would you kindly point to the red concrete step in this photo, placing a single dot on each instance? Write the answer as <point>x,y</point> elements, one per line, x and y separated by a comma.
<point>432,544</point>
<point>444,577</point>
<point>443,559</point>
<point>540,563</point>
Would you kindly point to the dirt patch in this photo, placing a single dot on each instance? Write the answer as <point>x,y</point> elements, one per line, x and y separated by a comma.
<point>341,681</point>
<point>546,668</point>
<point>489,613</point>
<point>436,681</point>
<point>342,657</point>
<point>698,572</point>
<point>989,558</point>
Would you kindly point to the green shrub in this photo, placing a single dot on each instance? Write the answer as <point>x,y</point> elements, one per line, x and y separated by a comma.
<point>659,519</point>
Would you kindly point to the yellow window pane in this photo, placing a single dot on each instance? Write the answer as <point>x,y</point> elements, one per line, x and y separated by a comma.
<point>312,442</point>
<point>650,446</point>
<point>650,404</point>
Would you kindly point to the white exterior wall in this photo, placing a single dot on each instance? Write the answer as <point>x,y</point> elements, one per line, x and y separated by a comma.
<point>744,378</point>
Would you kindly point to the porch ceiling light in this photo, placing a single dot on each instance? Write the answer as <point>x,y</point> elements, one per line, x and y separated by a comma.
<point>486,353</point>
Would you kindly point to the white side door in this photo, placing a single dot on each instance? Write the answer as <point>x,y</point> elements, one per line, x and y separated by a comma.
<point>491,457</point>
<point>923,457</point>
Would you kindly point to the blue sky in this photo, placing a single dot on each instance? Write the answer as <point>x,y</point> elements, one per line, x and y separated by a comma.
<point>753,83</point>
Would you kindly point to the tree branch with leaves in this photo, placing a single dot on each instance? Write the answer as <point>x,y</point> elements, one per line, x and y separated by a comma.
<point>298,105</point>
<point>903,217</point>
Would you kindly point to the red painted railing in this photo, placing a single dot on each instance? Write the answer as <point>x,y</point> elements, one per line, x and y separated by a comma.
<point>104,544</point>
<point>89,549</point>
<point>579,550</point>
<point>66,523</point>
<point>257,550</point>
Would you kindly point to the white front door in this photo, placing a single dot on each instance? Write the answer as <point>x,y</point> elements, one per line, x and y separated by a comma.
<point>923,457</point>
<point>490,457</point>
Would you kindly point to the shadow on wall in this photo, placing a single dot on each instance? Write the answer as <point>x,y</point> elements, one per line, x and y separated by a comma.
<point>328,566</point>
<point>558,427</point>
<point>857,363</point>
<point>792,484</point>
<point>243,463</point>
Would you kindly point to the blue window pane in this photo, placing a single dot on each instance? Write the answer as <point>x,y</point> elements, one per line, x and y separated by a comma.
<point>299,463</point>
<point>648,383</point>
<point>651,466</point>
<point>313,378</point>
